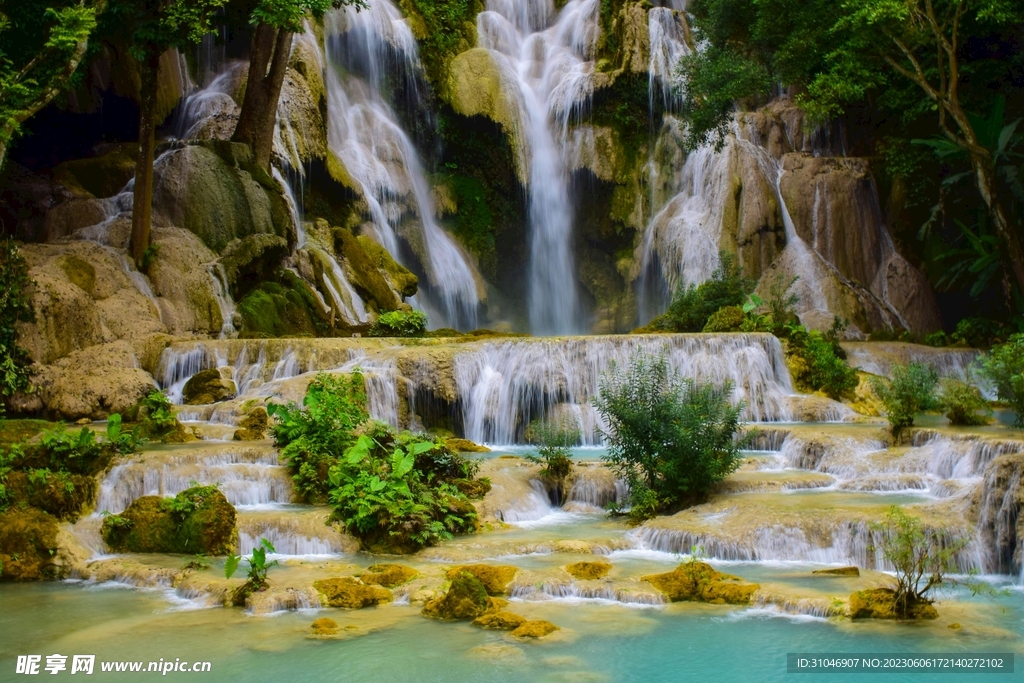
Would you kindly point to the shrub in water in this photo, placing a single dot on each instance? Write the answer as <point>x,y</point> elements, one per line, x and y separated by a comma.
<point>1004,366</point>
<point>963,403</point>
<point>670,438</point>
<point>910,391</point>
<point>693,306</point>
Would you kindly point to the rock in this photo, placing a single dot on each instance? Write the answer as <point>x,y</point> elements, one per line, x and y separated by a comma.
<point>252,260</point>
<point>30,536</point>
<point>324,627</point>
<point>401,279</point>
<point>364,273</point>
<point>101,176</point>
<point>880,603</point>
<point>838,571</point>
<point>65,496</point>
<point>495,578</point>
<point>182,275</point>
<point>215,191</point>
<point>700,582</point>
<point>465,445</point>
<point>199,520</point>
<point>349,593</point>
<point>473,488</point>
<point>67,217</point>
<point>500,621</point>
<point>534,629</point>
<point>466,599</point>
<point>254,426</point>
<point>588,571</point>
<point>207,386</point>
<point>388,575</point>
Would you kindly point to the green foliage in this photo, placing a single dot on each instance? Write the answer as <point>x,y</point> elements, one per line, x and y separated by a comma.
<point>818,362</point>
<point>980,333</point>
<point>259,568</point>
<point>449,27</point>
<point>937,339</point>
<point>400,324</point>
<point>189,500</point>
<point>921,559</point>
<point>154,417</point>
<point>728,319</point>
<point>782,303</point>
<point>693,306</point>
<point>555,438</point>
<point>288,14</point>
<point>672,439</point>
<point>41,43</point>
<point>963,403</point>
<point>312,439</point>
<point>15,307</point>
<point>910,391</point>
<point>1004,367</point>
<point>149,29</point>
<point>388,493</point>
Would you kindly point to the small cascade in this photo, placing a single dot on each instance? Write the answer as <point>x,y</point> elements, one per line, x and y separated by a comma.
<point>558,590</point>
<point>210,102</point>
<point>592,489</point>
<point>999,519</point>
<point>363,130</point>
<point>552,67</point>
<point>301,532</point>
<point>219,278</point>
<point>668,40</point>
<point>534,506</point>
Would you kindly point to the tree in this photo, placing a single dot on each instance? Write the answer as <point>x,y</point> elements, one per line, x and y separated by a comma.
<point>1004,367</point>
<point>150,28</point>
<point>275,22</point>
<point>919,59</point>
<point>41,46</point>
<point>672,439</point>
<point>15,307</point>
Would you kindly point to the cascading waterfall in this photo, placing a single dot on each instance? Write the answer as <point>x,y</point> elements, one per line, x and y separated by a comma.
<point>553,67</point>
<point>364,132</point>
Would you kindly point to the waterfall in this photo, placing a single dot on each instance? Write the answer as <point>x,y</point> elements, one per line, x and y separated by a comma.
<point>225,303</point>
<point>364,132</point>
<point>553,68</point>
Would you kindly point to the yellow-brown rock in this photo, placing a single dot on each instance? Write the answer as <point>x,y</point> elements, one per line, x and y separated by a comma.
<point>388,575</point>
<point>495,578</point>
<point>324,627</point>
<point>466,599</point>
<point>534,629</point>
<point>500,621</point>
<point>838,571</point>
<point>880,603</point>
<point>700,582</point>
<point>349,593</point>
<point>588,571</point>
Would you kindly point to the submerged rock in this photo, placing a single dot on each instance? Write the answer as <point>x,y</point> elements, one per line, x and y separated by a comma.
<point>388,575</point>
<point>838,571</point>
<point>880,603</point>
<point>495,578</point>
<point>466,599</point>
<point>587,571</point>
<point>199,520</point>
<point>500,621</point>
<point>28,545</point>
<point>700,582</point>
<point>208,386</point>
<point>324,627</point>
<point>534,629</point>
<point>349,593</point>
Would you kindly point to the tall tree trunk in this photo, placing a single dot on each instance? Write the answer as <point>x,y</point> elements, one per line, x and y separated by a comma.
<point>271,50</point>
<point>986,178</point>
<point>142,211</point>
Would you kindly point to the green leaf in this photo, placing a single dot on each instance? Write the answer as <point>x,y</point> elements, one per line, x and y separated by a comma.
<point>359,451</point>
<point>268,545</point>
<point>231,565</point>
<point>420,447</point>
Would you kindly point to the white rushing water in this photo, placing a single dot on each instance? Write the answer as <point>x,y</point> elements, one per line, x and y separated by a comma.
<point>365,133</point>
<point>549,58</point>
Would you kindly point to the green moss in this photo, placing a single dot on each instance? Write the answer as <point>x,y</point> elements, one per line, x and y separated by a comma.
<point>474,220</point>
<point>61,494</point>
<point>727,319</point>
<point>16,431</point>
<point>282,309</point>
<point>198,520</point>
<point>398,276</point>
<point>700,582</point>
<point>495,578</point>
<point>466,599</point>
<point>348,593</point>
<point>367,276</point>
<point>80,272</point>
<point>444,28</point>
<point>625,108</point>
<point>28,544</point>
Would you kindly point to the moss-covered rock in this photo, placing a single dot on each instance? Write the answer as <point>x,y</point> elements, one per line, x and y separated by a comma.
<point>254,426</point>
<point>251,260</point>
<point>588,571</point>
<point>880,603</point>
<point>466,599</point>
<point>500,621</point>
<point>324,627</point>
<point>401,279</point>
<point>728,319</point>
<point>388,575</point>
<point>28,544</point>
<point>837,571</point>
<point>199,520</point>
<point>534,629</point>
<point>495,578</point>
<point>700,582</point>
<point>350,593</point>
<point>466,446</point>
<point>366,274</point>
<point>286,308</point>
<point>101,176</point>
<point>208,386</point>
<point>473,488</point>
<point>62,494</point>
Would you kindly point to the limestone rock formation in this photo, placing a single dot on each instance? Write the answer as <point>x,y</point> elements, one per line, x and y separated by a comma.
<point>700,582</point>
<point>495,578</point>
<point>388,575</point>
<point>534,629</point>
<point>500,621</point>
<point>466,599</point>
<point>588,571</point>
<point>28,545</point>
<point>349,593</point>
<point>880,603</point>
<point>208,386</point>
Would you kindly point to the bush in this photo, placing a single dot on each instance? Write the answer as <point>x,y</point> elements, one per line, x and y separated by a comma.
<point>963,403</point>
<point>388,492</point>
<point>910,391</point>
<point>554,454</point>
<point>672,439</point>
<point>921,559</point>
<point>693,306</point>
<point>1004,366</point>
<point>400,324</point>
<point>728,319</point>
<point>979,332</point>
<point>312,439</point>
<point>256,578</point>
<point>936,339</point>
<point>820,360</point>
<point>15,307</point>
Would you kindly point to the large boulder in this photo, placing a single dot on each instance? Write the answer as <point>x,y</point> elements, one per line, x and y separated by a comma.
<point>495,578</point>
<point>208,386</point>
<point>28,546</point>
<point>350,593</point>
<point>251,260</point>
<point>199,520</point>
<point>700,582</point>
<point>466,599</point>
